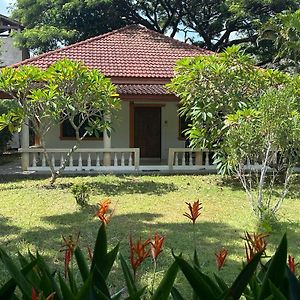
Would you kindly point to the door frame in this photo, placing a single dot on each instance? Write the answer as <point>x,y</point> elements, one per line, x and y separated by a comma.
<point>132,106</point>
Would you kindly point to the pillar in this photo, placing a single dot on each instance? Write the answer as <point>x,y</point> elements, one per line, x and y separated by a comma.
<point>25,145</point>
<point>106,143</point>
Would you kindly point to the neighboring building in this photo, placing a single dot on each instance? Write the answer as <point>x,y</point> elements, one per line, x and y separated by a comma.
<point>9,54</point>
<point>147,131</point>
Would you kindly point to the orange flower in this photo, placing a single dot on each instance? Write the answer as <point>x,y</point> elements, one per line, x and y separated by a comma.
<point>156,245</point>
<point>34,296</point>
<point>291,264</point>
<point>70,244</point>
<point>103,210</point>
<point>220,258</point>
<point>194,211</point>
<point>255,243</point>
<point>138,253</point>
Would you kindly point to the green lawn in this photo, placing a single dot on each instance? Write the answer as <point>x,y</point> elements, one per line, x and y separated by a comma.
<point>35,216</point>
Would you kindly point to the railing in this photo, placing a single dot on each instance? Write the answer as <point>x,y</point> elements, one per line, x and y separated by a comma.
<point>189,159</point>
<point>85,159</point>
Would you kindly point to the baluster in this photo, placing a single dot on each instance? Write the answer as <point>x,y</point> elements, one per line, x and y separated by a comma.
<point>176,159</point>
<point>122,160</point>
<point>207,158</point>
<point>183,158</point>
<point>130,160</point>
<point>71,161</point>
<point>80,161</point>
<point>98,160</point>
<point>34,161</point>
<point>53,160</point>
<point>61,160</point>
<point>44,160</point>
<point>89,161</point>
<point>191,159</point>
<point>115,160</point>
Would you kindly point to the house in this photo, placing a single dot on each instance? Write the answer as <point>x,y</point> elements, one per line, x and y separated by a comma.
<point>147,132</point>
<point>10,54</point>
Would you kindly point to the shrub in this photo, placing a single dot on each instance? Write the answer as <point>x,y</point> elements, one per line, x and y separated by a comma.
<point>81,193</point>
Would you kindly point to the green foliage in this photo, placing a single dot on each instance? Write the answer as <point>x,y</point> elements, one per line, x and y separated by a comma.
<point>247,116</point>
<point>81,193</point>
<point>34,277</point>
<point>5,135</point>
<point>63,91</point>
<point>213,24</point>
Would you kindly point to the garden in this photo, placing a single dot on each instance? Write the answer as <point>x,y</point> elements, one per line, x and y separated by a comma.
<point>36,216</point>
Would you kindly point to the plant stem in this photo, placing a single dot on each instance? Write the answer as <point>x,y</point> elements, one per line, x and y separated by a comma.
<point>154,275</point>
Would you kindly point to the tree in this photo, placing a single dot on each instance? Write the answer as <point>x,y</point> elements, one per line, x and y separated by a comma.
<point>211,24</point>
<point>65,91</point>
<point>283,33</point>
<point>245,115</point>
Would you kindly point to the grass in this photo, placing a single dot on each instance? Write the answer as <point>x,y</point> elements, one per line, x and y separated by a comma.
<point>34,216</point>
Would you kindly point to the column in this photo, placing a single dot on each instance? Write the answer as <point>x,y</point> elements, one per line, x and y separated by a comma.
<point>106,143</point>
<point>25,145</point>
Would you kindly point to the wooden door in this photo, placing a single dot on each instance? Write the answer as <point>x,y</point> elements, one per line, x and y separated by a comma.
<point>147,131</point>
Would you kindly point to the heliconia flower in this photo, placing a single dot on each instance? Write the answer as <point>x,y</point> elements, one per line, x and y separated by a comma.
<point>291,264</point>
<point>103,211</point>
<point>138,253</point>
<point>254,244</point>
<point>69,247</point>
<point>33,294</point>
<point>194,211</point>
<point>156,245</point>
<point>221,257</point>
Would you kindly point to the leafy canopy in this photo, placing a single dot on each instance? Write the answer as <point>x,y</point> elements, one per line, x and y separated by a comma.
<point>212,24</point>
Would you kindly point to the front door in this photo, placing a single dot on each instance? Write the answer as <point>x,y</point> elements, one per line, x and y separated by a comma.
<point>147,131</point>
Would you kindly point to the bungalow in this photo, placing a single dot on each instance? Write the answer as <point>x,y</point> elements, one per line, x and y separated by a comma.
<point>147,132</point>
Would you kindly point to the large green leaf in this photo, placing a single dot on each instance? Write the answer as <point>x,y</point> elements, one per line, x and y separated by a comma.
<point>131,287</point>
<point>276,293</point>
<point>200,286</point>
<point>66,291</point>
<point>108,262</point>
<point>100,249</point>
<point>165,286</point>
<point>81,263</point>
<point>8,289</point>
<point>16,274</point>
<point>243,279</point>
<point>294,285</point>
<point>276,270</point>
<point>98,281</point>
<point>176,294</point>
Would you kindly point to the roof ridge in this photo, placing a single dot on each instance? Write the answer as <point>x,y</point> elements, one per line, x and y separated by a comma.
<point>91,39</point>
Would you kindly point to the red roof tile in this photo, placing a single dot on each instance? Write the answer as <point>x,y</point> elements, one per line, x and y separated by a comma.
<point>142,89</point>
<point>132,51</point>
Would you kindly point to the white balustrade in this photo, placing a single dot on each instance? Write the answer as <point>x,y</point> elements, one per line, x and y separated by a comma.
<point>84,159</point>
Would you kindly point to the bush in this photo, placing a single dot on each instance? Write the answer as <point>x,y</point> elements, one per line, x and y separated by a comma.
<point>5,134</point>
<point>81,193</point>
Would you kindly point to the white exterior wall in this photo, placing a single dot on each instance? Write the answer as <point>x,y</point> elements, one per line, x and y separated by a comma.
<point>120,137</point>
<point>9,54</point>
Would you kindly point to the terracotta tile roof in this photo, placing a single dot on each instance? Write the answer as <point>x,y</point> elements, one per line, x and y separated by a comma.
<point>142,89</point>
<point>132,51</point>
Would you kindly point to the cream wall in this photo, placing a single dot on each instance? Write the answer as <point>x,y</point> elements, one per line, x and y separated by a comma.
<point>120,137</point>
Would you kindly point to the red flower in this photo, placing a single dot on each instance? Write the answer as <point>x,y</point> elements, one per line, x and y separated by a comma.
<point>156,245</point>
<point>255,243</point>
<point>70,244</point>
<point>103,210</point>
<point>34,296</point>
<point>291,264</point>
<point>220,258</point>
<point>194,211</point>
<point>138,253</point>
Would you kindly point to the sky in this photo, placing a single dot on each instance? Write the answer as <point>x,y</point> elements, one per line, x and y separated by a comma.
<point>3,6</point>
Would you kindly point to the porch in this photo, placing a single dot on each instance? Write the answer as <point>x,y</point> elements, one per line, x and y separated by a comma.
<point>117,160</point>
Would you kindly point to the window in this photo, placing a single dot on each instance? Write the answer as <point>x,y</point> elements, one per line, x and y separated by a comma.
<point>68,132</point>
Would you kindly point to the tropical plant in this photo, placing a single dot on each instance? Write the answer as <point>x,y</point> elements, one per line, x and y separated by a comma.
<point>65,91</point>
<point>247,116</point>
<point>81,193</point>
